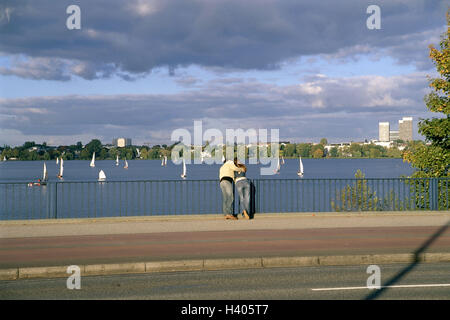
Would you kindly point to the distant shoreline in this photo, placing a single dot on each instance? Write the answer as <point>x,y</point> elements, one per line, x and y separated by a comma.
<point>286,158</point>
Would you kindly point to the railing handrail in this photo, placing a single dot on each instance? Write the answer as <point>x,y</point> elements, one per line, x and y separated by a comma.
<point>217,180</point>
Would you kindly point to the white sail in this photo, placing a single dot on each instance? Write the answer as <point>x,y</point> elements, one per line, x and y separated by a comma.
<point>282,160</point>
<point>138,153</point>
<point>61,168</point>
<point>278,166</point>
<point>4,158</point>
<point>162,162</point>
<point>165,160</point>
<point>101,175</point>
<point>126,164</point>
<point>183,175</point>
<point>45,174</point>
<point>93,160</point>
<point>57,161</point>
<point>117,160</point>
<point>300,167</point>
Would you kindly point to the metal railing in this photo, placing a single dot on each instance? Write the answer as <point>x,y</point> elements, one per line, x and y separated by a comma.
<point>173,197</point>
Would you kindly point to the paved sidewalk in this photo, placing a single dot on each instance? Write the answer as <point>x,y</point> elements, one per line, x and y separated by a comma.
<point>195,223</point>
<point>188,238</point>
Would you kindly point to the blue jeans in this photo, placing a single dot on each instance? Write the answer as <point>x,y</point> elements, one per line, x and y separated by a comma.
<point>243,188</point>
<point>227,197</point>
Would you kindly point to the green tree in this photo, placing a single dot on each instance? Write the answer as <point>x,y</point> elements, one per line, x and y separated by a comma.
<point>365,150</point>
<point>304,150</point>
<point>317,153</point>
<point>94,146</point>
<point>394,153</point>
<point>84,155</point>
<point>289,150</point>
<point>374,153</point>
<point>28,144</point>
<point>144,153</point>
<point>357,196</point>
<point>334,152</point>
<point>69,156</point>
<point>32,155</point>
<point>356,150</point>
<point>323,141</point>
<point>103,154</point>
<point>433,160</point>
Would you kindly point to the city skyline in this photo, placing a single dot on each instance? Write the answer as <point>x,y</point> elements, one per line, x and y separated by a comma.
<point>312,70</point>
<point>405,130</point>
<point>385,134</point>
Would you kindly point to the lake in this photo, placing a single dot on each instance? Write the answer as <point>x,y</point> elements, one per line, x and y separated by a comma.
<point>79,170</point>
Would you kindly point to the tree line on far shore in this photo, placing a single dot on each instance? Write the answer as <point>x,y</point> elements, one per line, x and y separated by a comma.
<point>353,150</point>
<point>32,151</point>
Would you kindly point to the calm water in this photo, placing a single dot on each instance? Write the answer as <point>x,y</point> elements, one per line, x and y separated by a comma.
<point>157,190</point>
<point>78,170</point>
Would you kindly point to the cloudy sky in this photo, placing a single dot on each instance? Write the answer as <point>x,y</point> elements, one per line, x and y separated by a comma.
<point>143,68</point>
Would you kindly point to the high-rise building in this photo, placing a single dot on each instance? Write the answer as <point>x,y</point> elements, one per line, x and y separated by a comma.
<point>122,142</point>
<point>405,129</point>
<point>404,132</point>
<point>383,131</point>
<point>393,135</point>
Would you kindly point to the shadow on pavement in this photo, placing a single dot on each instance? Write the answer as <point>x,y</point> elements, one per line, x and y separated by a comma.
<point>409,268</point>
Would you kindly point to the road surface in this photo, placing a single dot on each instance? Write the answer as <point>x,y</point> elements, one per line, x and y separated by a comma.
<point>423,281</point>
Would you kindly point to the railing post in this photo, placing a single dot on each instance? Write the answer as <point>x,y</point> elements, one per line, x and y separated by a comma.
<point>55,210</point>
<point>234,199</point>
<point>434,194</point>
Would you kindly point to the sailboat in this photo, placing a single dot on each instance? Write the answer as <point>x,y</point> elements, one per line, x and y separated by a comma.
<point>277,171</point>
<point>117,160</point>
<point>93,160</point>
<point>43,181</point>
<point>57,161</point>
<point>126,164</point>
<point>44,175</point>
<point>164,161</point>
<point>183,175</point>
<point>61,169</point>
<point>282,160</point>
<point>300,167</point>
<point>101,176</point>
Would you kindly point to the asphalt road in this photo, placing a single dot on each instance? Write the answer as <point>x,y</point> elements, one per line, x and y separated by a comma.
<point>422,281</point>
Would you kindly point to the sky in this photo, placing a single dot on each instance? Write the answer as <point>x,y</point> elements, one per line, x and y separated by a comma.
<point>143,68</point>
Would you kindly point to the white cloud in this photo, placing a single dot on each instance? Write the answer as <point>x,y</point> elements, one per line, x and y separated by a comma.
<point>341,108</point>
<point>144,8</point>
<point>138,36</point>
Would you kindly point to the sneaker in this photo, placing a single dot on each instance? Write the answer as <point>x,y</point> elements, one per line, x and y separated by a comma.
<point>231,217</point>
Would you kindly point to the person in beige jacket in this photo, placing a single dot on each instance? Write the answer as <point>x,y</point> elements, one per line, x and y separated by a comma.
<point>226,176</point>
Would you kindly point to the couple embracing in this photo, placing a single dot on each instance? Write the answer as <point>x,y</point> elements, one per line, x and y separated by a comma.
<point>233,171</point>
